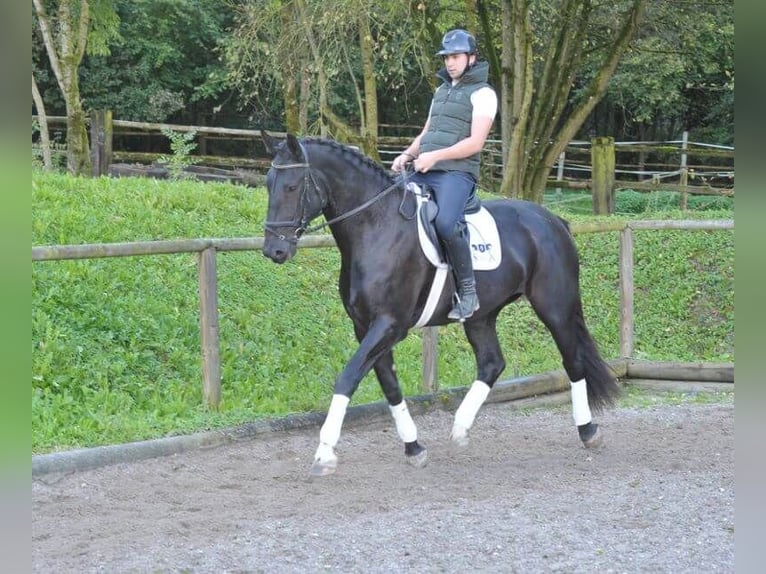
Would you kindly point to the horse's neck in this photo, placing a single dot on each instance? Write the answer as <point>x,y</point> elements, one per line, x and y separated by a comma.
<point>351,186</point>
<point>369,227</point>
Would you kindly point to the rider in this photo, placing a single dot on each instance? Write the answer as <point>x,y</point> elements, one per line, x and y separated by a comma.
<point>447,153</point>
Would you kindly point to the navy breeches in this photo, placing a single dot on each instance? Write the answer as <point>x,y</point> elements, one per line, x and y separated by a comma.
<point>451,191</point>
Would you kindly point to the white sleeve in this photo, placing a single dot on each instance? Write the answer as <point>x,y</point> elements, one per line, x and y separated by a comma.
<point>484,103</point>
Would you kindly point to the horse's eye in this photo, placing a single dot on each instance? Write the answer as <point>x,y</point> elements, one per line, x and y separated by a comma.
<point>291,188</point>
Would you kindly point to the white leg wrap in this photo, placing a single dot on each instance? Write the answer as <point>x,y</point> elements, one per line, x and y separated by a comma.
<point>330,433</point>
<point>580,408</point>
<point>466,412</point>
<point>405,426</point>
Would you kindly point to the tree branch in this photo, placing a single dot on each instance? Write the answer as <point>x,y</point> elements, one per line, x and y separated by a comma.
<point>50,46</point>
<point>599,84</point>
<point>82,31</point>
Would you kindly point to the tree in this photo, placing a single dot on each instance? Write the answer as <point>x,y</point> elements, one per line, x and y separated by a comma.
<point>66,35</point>
<point>165,63</point>
<point>540,70</point>
<point>329,57</point>
<point>45,140</point>
<point>679,74</point>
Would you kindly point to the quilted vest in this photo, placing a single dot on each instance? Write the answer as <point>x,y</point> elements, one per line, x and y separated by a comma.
<point>451,113</point>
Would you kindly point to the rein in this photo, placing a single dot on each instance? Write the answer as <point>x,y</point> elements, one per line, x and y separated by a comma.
<point>302,222</point>
<point>354,211</point>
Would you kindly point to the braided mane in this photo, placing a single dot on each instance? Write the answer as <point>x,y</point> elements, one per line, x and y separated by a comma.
<point>356,156</point>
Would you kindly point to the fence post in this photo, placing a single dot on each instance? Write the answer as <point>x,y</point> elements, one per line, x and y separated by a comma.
<point>430,382</point>
<point>208,311</point>
<point>684,179</point>
<point>100,141</point>
<point>626,292</point>
<point>602,165</point>
<point>560,170</point>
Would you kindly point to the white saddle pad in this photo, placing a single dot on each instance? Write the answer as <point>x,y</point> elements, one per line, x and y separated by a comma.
<point>484,239</point>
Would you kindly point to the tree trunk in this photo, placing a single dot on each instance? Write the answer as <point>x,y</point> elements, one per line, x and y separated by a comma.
<point>470,19</point>
<point>369,127</point>
<point>305,21</point>
<point>487,47</point>
<point>305,99</point>
<point>593,95</point>
<point>45,141</point>
<point>290,77</point>
<point>78,149</point>
<point>533,147</point>
<point>72,36</point>
<point>519,99</point>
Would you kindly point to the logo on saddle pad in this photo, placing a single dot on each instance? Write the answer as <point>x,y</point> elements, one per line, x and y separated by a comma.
<point>484,238</point>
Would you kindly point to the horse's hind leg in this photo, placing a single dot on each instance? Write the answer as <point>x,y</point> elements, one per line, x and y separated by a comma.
<point>415,453</point>
<point>591,382</point>
<point>482,335</point>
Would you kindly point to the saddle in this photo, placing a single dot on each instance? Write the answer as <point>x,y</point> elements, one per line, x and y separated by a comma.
<point>484,238</point>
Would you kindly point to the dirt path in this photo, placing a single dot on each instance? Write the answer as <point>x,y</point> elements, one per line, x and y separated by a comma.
<point>524,497</point>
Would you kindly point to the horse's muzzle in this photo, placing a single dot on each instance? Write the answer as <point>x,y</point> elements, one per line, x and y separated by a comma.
<point>277,250</point>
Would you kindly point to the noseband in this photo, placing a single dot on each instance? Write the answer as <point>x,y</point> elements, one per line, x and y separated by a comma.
<point>301,217</point>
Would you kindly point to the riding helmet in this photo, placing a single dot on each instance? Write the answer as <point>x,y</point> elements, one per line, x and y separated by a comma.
<point>457,41</point>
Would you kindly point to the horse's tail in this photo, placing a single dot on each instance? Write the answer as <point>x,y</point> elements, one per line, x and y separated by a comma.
<point>600,380</point>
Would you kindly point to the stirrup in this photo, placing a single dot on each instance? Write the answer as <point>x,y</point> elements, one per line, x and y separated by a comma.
<point>464,307</point>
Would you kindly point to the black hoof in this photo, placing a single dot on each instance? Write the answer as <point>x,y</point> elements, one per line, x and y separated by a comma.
<point>415,454</point>
<point>590,435</point>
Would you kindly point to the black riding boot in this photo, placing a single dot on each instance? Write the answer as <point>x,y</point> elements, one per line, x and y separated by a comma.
<point>462,266</point>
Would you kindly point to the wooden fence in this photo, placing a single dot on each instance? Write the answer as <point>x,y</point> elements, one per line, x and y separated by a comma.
<point>208,295</point>
<point>584,164</point>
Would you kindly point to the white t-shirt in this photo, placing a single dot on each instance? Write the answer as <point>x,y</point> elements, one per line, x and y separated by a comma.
<point>484,102</point>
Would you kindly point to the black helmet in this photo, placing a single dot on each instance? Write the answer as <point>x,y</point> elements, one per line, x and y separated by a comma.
<point>457,42</point>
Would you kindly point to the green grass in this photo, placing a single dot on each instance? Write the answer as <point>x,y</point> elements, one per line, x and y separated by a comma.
<point>630,202</point>
<point>634,397</point>
<point>115,342</point>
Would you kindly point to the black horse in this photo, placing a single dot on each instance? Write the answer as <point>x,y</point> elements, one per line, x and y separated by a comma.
<point>385,284</point>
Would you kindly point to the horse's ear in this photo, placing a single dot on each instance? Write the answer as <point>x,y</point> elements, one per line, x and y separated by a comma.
<point>269,142</point>
<point>294,146</point>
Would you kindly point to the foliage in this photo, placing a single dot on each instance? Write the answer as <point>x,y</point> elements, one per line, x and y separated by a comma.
<point>115,341</point>
<point>263,55</point>
<point>678,75</point>
<point>58,151</point>
<point>629,201</point>
<point>181,145</point>
<point>636,397</point>
<point>202,61</point>
<point>163,61</point>
<point>68,29</point>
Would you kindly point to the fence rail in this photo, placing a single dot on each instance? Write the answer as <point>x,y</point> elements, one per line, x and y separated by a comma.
<point>208,283</point>
<point>649,177</point>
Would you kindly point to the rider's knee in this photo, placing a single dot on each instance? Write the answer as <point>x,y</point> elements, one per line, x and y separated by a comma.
<point>450,230</point>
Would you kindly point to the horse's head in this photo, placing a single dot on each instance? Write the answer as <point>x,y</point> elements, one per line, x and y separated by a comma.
<point>294,197</point>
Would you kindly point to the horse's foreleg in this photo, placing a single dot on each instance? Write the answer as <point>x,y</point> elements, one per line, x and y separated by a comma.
<point>482,336</point>
<point>325,459</point>
<point>377,340</point>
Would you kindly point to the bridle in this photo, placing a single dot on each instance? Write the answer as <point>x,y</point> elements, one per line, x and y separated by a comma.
<point>309,181</point>
<point>301,218</point>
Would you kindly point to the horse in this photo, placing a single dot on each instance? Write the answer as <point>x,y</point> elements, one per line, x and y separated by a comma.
<point>385,283</point>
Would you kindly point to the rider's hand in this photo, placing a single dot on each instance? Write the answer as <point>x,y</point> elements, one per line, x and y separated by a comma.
<point>425,161</point>
<point>400,162</point>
